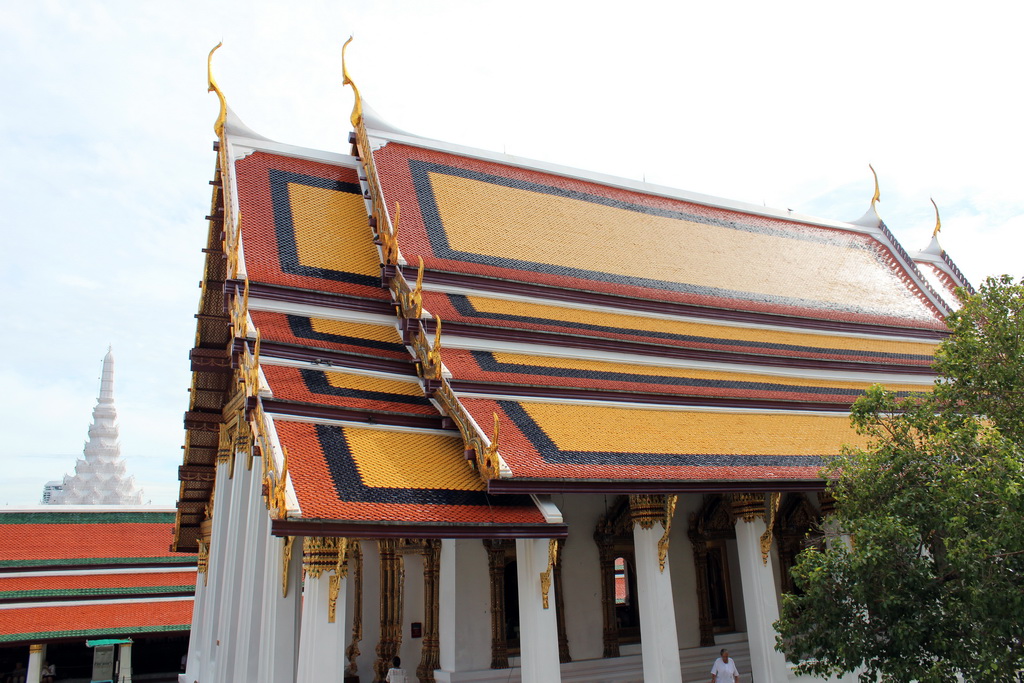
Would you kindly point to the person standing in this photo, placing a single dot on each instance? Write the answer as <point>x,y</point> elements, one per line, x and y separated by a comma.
<point>49,673</point>
<point>396,674</point>
<point>724,669</point>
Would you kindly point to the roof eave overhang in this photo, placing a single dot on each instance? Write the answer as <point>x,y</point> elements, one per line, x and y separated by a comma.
<point>352,529</point>
<point>649,486</point>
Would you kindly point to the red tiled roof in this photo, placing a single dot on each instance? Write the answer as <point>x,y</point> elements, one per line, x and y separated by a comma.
<point>528,372</point>
<point>12,582</point>
<point>349,474</point>
<point>304,225</point>
<point>346,390</point>
<point>554,231</point>
<point>351,338</point>
<point>27,543</point>
<point>49,622</point>
<point>592,442</point>
<point>485,312</point>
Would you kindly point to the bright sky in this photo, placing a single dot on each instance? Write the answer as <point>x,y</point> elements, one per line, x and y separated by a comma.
<point>106,131</point>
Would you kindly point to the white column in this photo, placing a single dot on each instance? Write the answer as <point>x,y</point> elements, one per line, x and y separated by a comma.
<point>658,639</point>
<point>322,643</point>
<point>227,621</point>
<point>538,628</point>
<point>280,623</point>
<point>35,662</point>
<point>124,663</point>
<point>760,602</point>
<point>200,668</point>
<point>196,639</point>
<point>250,609</point>
<point>463,591</point>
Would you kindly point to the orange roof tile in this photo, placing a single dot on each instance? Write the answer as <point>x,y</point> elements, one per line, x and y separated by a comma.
<point>590,442</point>
<point>287,205</point>
<point>92,538</point>
<point>373,475</point>
<point>49,622</point>
<point>13,586</point>
<point>579,235</point>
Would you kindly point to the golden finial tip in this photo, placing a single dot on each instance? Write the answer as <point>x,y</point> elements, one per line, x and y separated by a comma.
<point>877,195</point>
<point>938,223</point>
<point>357,107</point>
<point>211,86</point>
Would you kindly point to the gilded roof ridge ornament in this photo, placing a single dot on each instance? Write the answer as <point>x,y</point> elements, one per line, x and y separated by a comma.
<point>211,82</point>
<point>877,195</point>
<point>357,106</point>
<point>871,217</point>
<point>938,222</point>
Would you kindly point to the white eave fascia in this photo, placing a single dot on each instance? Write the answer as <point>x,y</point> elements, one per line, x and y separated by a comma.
<point>387,135</point>
<point>356,425</point>
<point>658,407</point>
<point>338,369</point>
<point>583,306</point>
<point>244,141</point>
<point>324,312</point>
<point>100,572</point>
<point>471,344</point>
<point>932,254</point>
<point>243,146</point>
<point>116,601</point>
<point>552,515</point>
<point>99,509</point>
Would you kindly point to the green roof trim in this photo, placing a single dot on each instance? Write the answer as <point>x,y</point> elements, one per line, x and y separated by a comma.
<point>77,561</point>
<point>87,592</point>
<point>107,641</point>
<point>48,517</point>
<point>86,633</point>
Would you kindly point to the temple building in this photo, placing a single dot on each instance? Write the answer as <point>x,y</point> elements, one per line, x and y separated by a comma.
<point>76,573</point>
<point>100,477</point>
<point>514,421</point>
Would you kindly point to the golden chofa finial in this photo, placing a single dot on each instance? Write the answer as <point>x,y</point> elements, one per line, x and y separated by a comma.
<point>938,223</point>
<point>877,195</point>
<point>357,107</point>
<point>212,86</point>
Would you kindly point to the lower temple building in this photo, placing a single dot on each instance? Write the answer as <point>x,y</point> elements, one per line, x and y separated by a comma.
<point>513,421</point>
<point>77,577</point>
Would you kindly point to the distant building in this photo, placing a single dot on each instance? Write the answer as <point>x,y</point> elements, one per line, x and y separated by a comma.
<point>101,477</point>
<point>50,490</point>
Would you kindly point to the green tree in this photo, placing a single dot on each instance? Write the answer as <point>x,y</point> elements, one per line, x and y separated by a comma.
<point>920,575</point>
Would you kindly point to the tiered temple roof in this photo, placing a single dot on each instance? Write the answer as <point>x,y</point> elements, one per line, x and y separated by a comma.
<point>88,571</point>
<point>429,337</point>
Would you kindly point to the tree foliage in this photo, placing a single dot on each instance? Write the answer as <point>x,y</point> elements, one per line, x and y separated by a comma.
<point>921,572</point>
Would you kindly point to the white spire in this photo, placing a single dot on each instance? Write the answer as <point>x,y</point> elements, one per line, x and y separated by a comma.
<point>101,478</point>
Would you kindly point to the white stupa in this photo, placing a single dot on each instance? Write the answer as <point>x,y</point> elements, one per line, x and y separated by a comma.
<point>100,478</point>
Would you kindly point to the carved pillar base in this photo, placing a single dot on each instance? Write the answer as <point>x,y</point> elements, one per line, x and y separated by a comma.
<point>392,584</point>
<point>430,659</point>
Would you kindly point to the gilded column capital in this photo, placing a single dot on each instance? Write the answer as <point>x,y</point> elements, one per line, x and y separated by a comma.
<point>35,647</point>
<point>225,441</point>
<point>323,554</point>
<point>286,560</point>
<point>748,506</point>
<point>826,503</point>
<point>646,509</point>
<point>203,563</point>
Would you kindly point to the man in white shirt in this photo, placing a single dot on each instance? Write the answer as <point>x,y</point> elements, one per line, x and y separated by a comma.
<point>724,670</point>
